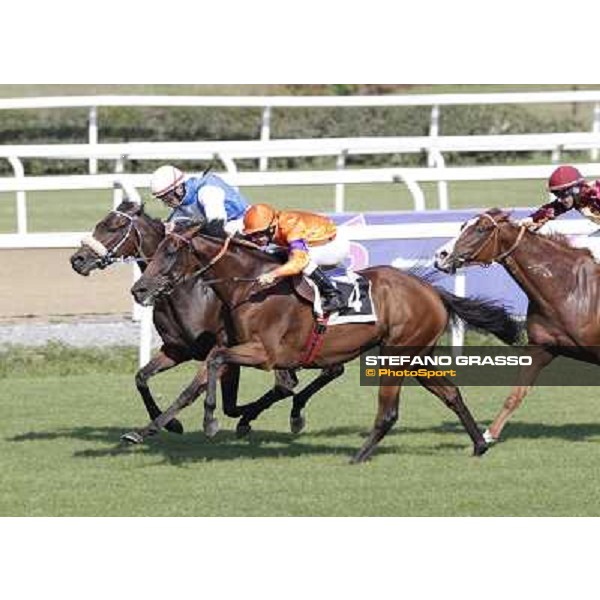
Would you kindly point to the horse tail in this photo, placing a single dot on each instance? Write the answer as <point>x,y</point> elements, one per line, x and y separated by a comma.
<point>484,315</point>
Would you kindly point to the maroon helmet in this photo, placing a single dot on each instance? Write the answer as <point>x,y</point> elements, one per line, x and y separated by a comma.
<point>563,178</point>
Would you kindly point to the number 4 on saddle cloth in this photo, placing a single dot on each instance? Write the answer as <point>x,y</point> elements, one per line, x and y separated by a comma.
<point>355,293</point>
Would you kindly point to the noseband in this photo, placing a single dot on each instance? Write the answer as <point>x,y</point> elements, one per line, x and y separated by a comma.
<point>107,257</point>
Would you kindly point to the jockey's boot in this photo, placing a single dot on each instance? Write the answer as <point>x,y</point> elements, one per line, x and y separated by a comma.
<point>332,299</point>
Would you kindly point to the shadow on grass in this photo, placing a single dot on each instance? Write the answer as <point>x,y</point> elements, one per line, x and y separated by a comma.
<point>195,446</point>
<point>571,432</point>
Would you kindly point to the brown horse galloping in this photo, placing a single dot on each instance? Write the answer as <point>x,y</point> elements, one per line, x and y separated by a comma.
<point>271,327</point>
<point>189,322</point>
<point>561,282</point>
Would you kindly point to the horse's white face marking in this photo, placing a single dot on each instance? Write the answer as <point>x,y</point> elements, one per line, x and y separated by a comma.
<point>443,252</point>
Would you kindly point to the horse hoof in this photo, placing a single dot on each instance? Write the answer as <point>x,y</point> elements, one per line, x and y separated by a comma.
<point>489,438</point>
<point>174,426</point>
<point>132,437</point>
<point>211,428</point>
<point>480,449</point>
<point>243,429</point>
<point>297,424</point>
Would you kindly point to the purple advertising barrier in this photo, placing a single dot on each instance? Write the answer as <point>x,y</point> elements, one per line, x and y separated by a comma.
<point>490,283</point>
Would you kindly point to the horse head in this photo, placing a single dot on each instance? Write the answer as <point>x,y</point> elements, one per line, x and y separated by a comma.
<point>125,232</point>
<point>480,242</point>
<point>174,261</point>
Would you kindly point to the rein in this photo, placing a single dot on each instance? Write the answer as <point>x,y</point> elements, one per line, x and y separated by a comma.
<point>507,253</point>
<point>213,261</point>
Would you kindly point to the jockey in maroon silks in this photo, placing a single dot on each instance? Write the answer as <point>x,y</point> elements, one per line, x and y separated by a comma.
<point>571,191</point>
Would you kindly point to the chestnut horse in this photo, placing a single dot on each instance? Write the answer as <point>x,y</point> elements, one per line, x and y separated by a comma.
<point>271,327</point>
<point>561,282</point>
<point>189,323</point>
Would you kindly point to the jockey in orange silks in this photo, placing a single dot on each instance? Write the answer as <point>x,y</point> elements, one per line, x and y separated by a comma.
<point>311,240</point>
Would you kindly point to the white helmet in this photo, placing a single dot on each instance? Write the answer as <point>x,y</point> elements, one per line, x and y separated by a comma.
<point>165,179</point>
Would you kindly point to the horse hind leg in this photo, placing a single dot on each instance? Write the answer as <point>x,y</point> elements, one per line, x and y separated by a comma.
<point>450,395</point>
<point>387,415</point>
<point>540,358</point>
<point>297,420</point>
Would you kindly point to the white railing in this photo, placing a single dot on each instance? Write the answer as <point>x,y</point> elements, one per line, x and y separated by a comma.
<point>267,103</point>
<point>229,152</point>
<point>411,177</point>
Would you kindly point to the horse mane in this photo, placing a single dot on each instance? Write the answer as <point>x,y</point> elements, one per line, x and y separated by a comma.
<point>563,241</point>
<point>560,239</point>
<point>553,236</point>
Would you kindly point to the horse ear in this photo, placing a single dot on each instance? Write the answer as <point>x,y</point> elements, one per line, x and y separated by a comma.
<point>499,214</point>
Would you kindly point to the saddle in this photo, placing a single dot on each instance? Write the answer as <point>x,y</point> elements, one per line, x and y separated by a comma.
<point>355,291</point>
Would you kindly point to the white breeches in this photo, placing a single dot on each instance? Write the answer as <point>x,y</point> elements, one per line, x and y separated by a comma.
<point>591,242</point>
<point>330,254</point>
<point>234,226</point>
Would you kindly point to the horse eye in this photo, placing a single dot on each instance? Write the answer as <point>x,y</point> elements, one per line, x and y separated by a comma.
<point>481,230</point>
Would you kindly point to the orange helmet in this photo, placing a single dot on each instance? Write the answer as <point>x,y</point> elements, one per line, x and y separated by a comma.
<point>259,217</point>
<point>563,178</point>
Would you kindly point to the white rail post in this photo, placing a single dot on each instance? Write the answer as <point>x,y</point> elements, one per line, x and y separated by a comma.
<point>556,153</point>
<point>265,136</point>
<point>594,153</point>
<point>339,187</point>
<point>144,317</point>
<point>440,163</point>
<point>458,328</point>
<point>19,172</point>
<point>434,131</point>
<point>228,163</point>
<point>93,137</point>
<point>118,187</point>
<point>413,188</point>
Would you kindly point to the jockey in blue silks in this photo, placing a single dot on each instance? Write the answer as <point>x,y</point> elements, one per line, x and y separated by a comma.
<point>207,196</point>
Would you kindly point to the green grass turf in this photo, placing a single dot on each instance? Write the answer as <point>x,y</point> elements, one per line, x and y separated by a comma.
<point>61,455</point>
<point>79,211</point>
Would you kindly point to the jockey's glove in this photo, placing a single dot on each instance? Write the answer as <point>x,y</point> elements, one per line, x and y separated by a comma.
<point>216,228</point>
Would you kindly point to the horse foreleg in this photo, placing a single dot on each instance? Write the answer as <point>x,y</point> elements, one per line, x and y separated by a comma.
<point>285,382</point>
<point>159,364</point>
<point>387,415</point>
<point>541,358</point>
<point>187,397</point>
<point>250,354</point>
<point>450,395</point>
<point>297,420</point>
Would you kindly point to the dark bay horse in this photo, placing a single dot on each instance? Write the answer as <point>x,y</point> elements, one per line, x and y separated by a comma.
<point>189,322</point>
<point>561,282</point>
<point>270,327</point>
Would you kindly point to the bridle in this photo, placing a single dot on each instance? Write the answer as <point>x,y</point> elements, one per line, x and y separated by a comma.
<point>213,261</point>
<point>494,237</point>
<point>107,256</point>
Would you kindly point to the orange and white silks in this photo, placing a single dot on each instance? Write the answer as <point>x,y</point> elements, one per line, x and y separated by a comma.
<point>307,236</point>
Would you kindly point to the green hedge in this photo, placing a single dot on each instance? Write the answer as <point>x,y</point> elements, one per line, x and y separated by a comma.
<point>195,124</point>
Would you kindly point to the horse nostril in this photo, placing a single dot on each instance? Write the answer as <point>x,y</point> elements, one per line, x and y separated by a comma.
<point>443,254</point>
